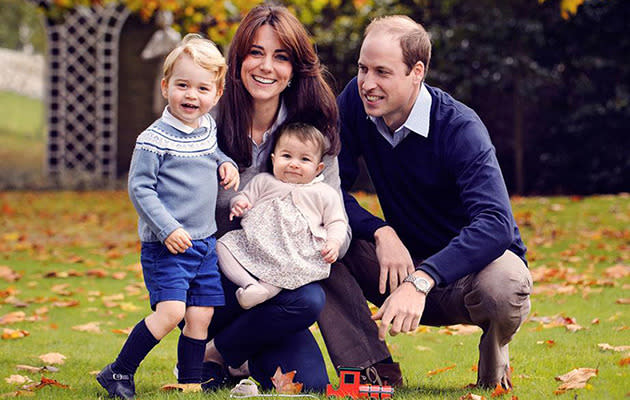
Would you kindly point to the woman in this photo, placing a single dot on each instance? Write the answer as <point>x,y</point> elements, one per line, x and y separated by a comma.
<point>274,77</point>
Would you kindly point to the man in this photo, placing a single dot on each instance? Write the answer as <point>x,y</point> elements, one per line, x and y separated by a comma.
<point>449,250</point>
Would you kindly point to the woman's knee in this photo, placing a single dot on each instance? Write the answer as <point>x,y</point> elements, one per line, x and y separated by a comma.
<point>307,300</point>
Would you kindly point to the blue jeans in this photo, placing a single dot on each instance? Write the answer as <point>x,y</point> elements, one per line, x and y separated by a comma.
<point>274,333</point>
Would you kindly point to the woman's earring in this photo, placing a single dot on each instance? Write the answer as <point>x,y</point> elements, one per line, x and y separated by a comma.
<point>289,84</point>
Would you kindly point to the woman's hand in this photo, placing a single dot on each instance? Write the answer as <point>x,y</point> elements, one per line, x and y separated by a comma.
<point>178,241</point>
<point>330,252</point>
<point>239,208</point>
<point>229,176</point>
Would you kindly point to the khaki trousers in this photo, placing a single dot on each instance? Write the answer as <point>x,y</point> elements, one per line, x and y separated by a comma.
<point>496,299</point>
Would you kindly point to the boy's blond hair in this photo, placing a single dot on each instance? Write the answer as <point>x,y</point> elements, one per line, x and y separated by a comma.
<point>203,52</point>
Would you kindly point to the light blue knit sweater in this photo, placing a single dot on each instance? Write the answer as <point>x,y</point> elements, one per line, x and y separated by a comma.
<point>173,180</point>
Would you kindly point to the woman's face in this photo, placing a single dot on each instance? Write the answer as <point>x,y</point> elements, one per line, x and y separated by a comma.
<point>266,69</point>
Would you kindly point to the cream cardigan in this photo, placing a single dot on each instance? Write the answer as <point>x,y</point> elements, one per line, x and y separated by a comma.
<point>317,201</point>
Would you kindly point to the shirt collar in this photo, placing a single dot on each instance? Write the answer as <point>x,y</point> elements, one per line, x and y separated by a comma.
<point>420,115</point>
<point>417,121</point>
<point>167,117</point>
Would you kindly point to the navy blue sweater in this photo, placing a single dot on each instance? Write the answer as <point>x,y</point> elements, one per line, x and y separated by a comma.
<point>444,195</point>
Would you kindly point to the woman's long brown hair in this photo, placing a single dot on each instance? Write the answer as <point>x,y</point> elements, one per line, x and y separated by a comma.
<point>309,99</point>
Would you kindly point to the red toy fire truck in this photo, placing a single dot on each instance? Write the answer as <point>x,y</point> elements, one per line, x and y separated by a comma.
<point>350,386</point>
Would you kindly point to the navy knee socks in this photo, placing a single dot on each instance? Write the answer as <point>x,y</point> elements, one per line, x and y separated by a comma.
<point>190,354</point>
<point>139,343</point>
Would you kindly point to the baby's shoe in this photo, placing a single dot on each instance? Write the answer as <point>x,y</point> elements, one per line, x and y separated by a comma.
<point>252,295</point>
<point>117,385</point>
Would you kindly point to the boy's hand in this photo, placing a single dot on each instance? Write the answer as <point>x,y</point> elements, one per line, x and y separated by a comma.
<point>330,252</point>
<point>229,176</point>
<point>178,241</point>
<point>239,208</point>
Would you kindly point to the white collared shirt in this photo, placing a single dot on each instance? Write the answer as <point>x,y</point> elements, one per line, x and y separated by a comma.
<point>417,121</point>
<point>167,117</point>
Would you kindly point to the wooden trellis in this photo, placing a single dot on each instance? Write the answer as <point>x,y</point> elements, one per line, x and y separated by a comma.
<point>83,92</point>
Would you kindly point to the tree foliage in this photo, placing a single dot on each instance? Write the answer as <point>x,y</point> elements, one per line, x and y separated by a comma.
<point>548,77</point>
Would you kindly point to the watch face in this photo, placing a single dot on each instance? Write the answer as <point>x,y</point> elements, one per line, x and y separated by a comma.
<point>423,283</point>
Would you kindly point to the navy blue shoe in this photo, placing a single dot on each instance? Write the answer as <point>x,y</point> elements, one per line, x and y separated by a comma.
<point>214,376</point>
<point>117,385</point>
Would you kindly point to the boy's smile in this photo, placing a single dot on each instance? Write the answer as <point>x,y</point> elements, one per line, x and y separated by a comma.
<point>191,91</point>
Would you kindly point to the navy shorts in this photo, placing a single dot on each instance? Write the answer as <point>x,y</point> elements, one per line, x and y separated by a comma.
<point>191,277</point>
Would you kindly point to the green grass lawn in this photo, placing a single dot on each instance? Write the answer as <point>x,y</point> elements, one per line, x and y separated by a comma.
<point>76,254</point>
<point>23,141</point>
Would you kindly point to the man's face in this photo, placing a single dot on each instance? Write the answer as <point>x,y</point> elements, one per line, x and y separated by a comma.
<point>387,88</point>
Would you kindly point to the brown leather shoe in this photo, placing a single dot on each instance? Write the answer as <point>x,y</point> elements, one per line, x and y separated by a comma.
<point>382,374</point>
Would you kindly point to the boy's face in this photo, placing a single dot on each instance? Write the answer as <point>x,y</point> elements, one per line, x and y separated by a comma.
<point>295,161</point>
<point>191,91</point>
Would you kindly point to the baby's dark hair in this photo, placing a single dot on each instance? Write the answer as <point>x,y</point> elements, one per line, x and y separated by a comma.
<point>305,133</point>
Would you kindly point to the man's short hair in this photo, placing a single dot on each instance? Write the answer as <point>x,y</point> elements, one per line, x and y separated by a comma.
<point>414,39</point>
<point>203,52</point>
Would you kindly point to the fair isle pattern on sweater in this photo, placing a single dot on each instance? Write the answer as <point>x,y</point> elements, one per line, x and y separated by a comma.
<point>156,139</point>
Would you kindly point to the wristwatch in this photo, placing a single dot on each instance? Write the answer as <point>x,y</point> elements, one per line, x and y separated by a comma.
<point>421,284</point>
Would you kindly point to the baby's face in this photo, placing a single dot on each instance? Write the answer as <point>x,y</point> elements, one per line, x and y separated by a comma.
<point>295,161</point>
<point>191,91</point>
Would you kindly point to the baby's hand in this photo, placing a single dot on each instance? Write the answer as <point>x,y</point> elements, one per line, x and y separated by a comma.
<point>229,176</point>
<point>239,208</point>
<point>330,252</point>
<point>178,241</point>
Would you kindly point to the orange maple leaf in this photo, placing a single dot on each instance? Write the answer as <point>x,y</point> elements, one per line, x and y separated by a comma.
<point>499,391</point>
<point>49,382</point>
<point>440,370</point>
<point>284,382</point>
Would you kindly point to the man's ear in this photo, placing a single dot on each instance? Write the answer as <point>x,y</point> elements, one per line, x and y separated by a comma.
<point>164,87</point>
<point>418,72</point>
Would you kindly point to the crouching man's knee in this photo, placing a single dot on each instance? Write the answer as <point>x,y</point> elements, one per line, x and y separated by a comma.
<point>501,294</point>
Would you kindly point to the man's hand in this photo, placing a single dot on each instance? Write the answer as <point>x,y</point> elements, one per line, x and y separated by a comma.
<point>402,309</point>
<point>178,241</point>
<point>393,257</point>
<point>239,208</point>
<point>229,176</point>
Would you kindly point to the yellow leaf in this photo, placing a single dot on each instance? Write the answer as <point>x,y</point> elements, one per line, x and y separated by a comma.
<point>8,334</point>
<point>182,387</point>
<point>606,346</point>
<point>53,358</point>
<point>12,317</point>
<point>8,274</point>
<point>91,327</point>
<point>575,379</point>
<point>18,379</point>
